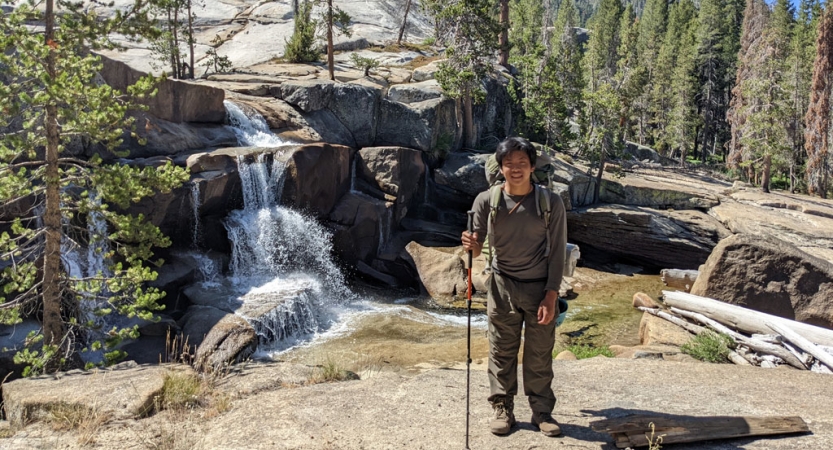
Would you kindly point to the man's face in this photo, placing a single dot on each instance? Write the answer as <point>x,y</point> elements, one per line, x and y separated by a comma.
<point>517,169</point>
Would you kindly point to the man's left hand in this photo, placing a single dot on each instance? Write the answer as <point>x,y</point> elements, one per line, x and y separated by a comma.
<point>548,308</point>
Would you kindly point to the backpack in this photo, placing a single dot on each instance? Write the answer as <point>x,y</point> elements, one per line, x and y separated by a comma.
<point>541,180</point>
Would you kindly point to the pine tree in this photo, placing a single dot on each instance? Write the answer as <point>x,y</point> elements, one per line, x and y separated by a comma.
<point>682,21</point>
<point>300,46</point>
<point>567,55</point>
<point>601,56</point>
<point>683,120</point>
<point>715,62</point>
<point>630,74</point>
<point>652,27</point>
<point>472,41</point>
<point>51,100</point>
<point>817,133</point>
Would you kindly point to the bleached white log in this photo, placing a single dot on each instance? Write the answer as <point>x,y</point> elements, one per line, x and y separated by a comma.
<point>754,344</point>
<point>806,358</point>
<point>802,343</point>
<point>748,355</point>
<point>744,319</point>
<point>768,364</point>
<point>678,278</point>
<point>770,338</point>
<point>818,367</point>
<point>690,327</point>
<point>713,324</point>
<point>738,359</point>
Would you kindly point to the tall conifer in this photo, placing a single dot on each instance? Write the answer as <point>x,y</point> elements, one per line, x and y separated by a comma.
<point>817,133</point>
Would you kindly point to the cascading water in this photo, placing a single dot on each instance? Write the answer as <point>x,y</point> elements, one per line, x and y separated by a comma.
<point>280,264</point>
<point>250,131</point>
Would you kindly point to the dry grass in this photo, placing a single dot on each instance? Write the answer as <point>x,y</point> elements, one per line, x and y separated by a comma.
<point>85,421</point>
<point>182,431</point>
<point>654,442</point>
<point>420,61</point>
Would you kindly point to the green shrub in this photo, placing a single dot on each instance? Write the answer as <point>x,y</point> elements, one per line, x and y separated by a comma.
<point>709,346</point>
<point>300,48</point>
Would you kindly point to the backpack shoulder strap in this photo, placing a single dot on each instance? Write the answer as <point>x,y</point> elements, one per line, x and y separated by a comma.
<point>495,192</point>
<point>544,205</point>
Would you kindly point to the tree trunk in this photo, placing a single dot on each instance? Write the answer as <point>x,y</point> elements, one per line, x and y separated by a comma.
<point>469,137</point>
<point>330,63</point>
<point>765,173</point>
<point>191,40</point>
<point>598,187</point>
<point>175,49</point>
<point>503,40</point>
<point>404,23</point>
<point>53,329</point>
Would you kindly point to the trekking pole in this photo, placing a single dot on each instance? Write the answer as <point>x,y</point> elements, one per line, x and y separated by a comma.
<point>468,329</point>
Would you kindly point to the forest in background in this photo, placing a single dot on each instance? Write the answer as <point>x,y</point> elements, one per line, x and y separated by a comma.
<point>740,87</point>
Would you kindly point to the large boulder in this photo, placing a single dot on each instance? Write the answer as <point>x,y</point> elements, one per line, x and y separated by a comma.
<point>464,172</point>
<point>430,125</point>
<point>770,276</point>
<point>427,71</point>
<point>440,270</point>
<point>175,101</point>
<point>307,95</point>
<point>395,171</point>
<point>198,322</point>
<point>230,341</point>
<point>358,232</point>
<point>317,175</point>
<point>350,98</point>
<point>581,185</point>
<point>415,92</point>
<point>681,239</point>
<point>493,118</point>
<point>658,194</point>
<point>124,392</point>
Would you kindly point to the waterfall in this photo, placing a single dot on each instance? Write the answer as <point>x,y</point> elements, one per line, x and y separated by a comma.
<point>195,205</point>
<point>280,263</point>
<point>251,131</point>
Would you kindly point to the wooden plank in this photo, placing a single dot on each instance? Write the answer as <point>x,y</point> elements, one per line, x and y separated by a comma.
<point>743,319</point>
<point>681,429</point>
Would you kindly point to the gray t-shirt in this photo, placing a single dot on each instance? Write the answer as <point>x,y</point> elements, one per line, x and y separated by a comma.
<point>520,239</point>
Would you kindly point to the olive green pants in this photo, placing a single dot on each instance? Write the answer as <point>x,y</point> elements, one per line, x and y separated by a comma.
<point>512,304</point>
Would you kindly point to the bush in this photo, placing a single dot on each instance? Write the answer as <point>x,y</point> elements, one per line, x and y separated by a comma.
<point>709,346</point>
<point>300,46</point>
<point>364,64</point>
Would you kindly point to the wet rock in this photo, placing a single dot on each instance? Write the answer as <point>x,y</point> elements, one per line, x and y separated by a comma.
<point>327,125</point>
<point>230,341</point>
<point>770,276</point>
<point>13,340</point>
<point>317,176</point>
<point>197,322</point>
<point>395,171</point>
<point>359,218</point>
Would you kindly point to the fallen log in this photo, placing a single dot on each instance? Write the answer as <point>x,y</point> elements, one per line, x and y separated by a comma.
<point>635,431</point>
<point>690,327</point>
<point>754,344</point>
<point>678,278</point>
<point>743,319</point>
<point>737,359</point>
<point>803,343</point>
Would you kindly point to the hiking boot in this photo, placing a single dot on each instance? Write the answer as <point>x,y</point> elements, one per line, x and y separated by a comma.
<point>503,419</point>
<point>546,424</point>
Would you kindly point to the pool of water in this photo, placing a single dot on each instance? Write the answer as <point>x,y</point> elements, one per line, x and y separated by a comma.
<point>385,331</point>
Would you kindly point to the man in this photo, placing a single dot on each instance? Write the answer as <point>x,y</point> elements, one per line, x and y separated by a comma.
<point>527,264</point>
